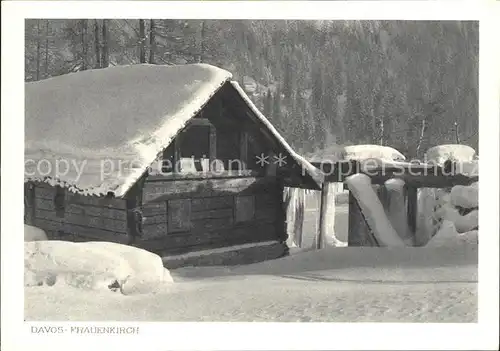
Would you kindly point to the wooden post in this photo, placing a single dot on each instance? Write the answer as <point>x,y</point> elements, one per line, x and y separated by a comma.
<point>359,234</point>
<point>322,230</point>
<point>29,203</point>
<point>412,208</point>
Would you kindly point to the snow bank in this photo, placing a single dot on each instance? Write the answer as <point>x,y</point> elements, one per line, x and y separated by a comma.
<point>439,154</point>
<point>33,233</point>
<point>92,266</point>
<point>373,211</point>
<point>360,152</point>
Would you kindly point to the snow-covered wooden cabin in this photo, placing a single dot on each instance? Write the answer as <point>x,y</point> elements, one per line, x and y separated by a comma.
<point>160,157</point>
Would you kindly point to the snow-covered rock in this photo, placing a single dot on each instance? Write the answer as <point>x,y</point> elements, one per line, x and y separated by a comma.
<point>362,152</point>
<point>440,153</point>
<point>93,266</point>
<point>33,233</point>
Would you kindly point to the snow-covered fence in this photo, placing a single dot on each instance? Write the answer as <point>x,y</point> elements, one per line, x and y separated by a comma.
<point>388,215</point>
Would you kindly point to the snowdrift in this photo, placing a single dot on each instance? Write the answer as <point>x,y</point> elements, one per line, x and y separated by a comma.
<point>33,233</point>
<point>93,266</point>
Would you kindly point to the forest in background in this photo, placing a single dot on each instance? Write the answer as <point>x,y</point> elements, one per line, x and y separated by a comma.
<point>405,84</point>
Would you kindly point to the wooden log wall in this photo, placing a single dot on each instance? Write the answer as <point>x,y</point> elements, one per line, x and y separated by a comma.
<point>188,215</point>
<point>85,218</point>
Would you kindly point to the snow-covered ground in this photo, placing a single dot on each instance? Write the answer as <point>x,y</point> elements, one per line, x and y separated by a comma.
<point>336,284</point>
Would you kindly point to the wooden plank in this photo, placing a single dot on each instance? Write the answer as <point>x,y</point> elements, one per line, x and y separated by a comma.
<point>45,214</point>
<point>212,214</point>
<point>212,203</point>
<point>224,237</point>
<point>73,198</point>
<point>154,208</point>
<point>119,226</point>
<point>156,219</point>
<point>45,204</point>
<point>280,219</point>
<point>205,226</point>
<point>160,191</point>
<point>152,231</point>
<point>44,192</point>
<point>266,213</point>
<point>244,209</point>
<point>359,233</point>
<point>29,203</point>
<point>83,220</point>
<point>176,144</point>
<point>90,210</point>
<point>179,215</point>
<point>266,199</point>
<point>201,122</point>
<point>245,173</point>
<point>48,225</point>
<point>95,234</point>
<point>244,148</point>
<point>212,148</point>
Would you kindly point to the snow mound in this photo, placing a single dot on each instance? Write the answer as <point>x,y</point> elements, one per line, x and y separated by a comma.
<point>33,233</point>
<point>465,196</point>
<point>440,153</point>
<point>448,236</point>
<point>147,268</point>
<point>362,152</point>
<point>92,266</point>
<point>373,211</point>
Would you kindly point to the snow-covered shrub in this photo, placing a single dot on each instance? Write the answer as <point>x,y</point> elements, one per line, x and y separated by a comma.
<point>93,266</point>
<point>33,233</point>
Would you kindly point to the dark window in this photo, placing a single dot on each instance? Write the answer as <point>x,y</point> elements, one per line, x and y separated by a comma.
<point>60,201</point>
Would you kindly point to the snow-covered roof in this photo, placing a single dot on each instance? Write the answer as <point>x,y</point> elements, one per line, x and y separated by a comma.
<point>97,131</point>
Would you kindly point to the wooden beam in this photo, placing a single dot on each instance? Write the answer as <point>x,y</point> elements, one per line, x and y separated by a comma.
<point>202,122</point>
<point>359,234</point>
<point>212,148</point>
<point>321,233</point>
